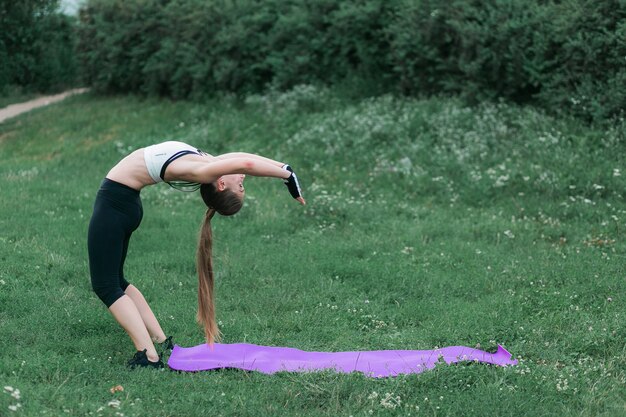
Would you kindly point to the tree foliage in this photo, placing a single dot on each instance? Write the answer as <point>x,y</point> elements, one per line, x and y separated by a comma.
<point>36,45</point>
<point>563,55</point>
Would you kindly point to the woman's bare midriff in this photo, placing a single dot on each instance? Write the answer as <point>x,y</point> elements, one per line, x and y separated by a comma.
<point>131,171</point>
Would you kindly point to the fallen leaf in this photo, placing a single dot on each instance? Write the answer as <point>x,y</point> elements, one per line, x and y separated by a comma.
<point>117,388</point>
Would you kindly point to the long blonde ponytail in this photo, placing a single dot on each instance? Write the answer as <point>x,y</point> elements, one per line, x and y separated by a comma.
<point>225,203</point>
<point>204,264</point>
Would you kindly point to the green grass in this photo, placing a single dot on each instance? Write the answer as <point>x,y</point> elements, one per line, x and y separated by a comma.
<point>429,224</point>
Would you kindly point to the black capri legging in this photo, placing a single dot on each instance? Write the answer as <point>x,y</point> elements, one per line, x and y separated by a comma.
<point>116,215</point>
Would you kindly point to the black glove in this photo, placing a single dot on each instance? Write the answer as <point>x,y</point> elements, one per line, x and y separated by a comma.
<point>292,183</point>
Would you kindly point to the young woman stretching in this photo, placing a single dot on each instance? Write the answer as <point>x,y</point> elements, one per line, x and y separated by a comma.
<point>118,212</point>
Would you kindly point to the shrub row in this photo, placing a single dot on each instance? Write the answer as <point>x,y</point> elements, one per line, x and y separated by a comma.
<point>563,55</point>
<point>186,48</point>
<point>37,46</point>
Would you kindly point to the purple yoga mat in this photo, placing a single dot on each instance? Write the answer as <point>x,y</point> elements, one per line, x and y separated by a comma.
<point>377,363</point>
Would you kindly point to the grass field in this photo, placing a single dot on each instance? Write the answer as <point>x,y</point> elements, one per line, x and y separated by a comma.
<point>428,224</point>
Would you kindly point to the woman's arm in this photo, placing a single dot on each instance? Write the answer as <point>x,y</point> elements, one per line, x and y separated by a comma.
<point>249,155</point>
<point>203,172</point>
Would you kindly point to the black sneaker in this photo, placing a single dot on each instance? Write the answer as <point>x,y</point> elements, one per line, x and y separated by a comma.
<point>141,360</point>
<point>165,346</point>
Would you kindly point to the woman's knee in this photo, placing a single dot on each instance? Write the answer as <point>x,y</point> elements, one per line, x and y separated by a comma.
<point>108,294</point>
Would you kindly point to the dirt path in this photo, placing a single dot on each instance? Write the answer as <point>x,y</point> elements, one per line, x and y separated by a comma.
<point>15,109</point>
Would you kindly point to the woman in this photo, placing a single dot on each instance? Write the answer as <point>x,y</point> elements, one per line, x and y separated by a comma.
<point>118,212</point>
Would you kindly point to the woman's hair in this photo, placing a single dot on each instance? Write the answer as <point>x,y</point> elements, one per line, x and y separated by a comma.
<point>225,203</point>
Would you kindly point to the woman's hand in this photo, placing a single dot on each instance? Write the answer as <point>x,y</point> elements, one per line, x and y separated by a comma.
<point>293,185</point>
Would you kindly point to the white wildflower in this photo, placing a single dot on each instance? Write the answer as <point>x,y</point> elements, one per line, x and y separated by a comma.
<point>114,403</point>
<point>390,401</point>
<point>501,181</point>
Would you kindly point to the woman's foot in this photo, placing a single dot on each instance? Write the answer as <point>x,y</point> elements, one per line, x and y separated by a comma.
<point>141,360</point>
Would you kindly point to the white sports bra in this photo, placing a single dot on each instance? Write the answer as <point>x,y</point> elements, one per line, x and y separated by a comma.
<point>159,156</point>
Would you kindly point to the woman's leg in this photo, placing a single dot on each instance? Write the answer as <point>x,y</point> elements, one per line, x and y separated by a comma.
<point>128,316</point>
<point>109,233</point>
<point>149,320</point>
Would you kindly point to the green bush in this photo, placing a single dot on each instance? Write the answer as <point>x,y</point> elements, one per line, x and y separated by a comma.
<point>36,46</point>
<point>561,55</point>
<point>475,48</point>
<point>187,48</point>
<point>588,60</point>
<point>565,56</point>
